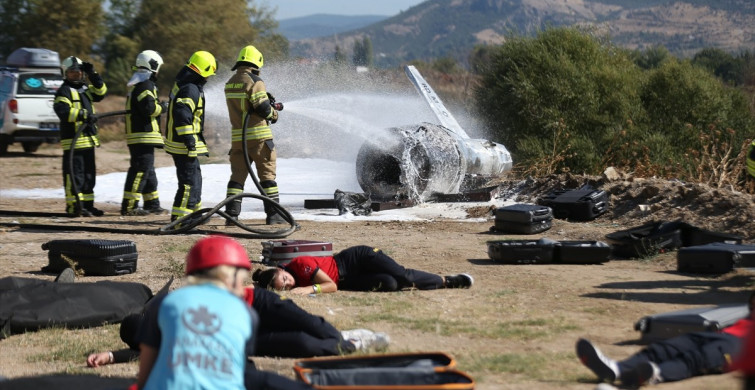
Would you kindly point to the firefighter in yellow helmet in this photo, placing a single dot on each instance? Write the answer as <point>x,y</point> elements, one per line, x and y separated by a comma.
<point>73,106</point>
<point>184,138</point>
<point>245,93</point>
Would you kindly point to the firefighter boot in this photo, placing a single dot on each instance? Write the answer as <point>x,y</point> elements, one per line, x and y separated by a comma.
<point>129,208</point>
<point>273,216</point>
<point>153,207</point>
<point>88,205</point>
<point>233,208</point>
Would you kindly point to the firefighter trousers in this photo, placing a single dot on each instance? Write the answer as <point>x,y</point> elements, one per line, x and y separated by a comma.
<point>141,180</point>
<point>189,194</point>
<point>82,178</point>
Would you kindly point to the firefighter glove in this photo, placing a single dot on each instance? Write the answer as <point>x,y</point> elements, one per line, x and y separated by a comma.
<point>274,116</point>
<point>164,105</point>
<point>87,68</point>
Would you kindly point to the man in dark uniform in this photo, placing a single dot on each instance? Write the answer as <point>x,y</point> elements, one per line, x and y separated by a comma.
<point>245,93</point>
<point>73,105</point>
<point>184,136</point>
<point>675,359</point>
<point>143,136</point>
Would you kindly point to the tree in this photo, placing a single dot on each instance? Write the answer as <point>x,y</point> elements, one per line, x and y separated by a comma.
<point>70,28</point>
<point>652,57</point>
<point>362,52</point>
<point>720,63</point>
<point>223,27</point>
<point>562,95</point>
<point>339,57</point>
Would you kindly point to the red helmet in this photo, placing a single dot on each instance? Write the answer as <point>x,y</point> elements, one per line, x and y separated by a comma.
<point>214,251</point>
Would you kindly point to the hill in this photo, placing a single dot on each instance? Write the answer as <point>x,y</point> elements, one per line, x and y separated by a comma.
<point>451,28</point>
<point>322,25</point>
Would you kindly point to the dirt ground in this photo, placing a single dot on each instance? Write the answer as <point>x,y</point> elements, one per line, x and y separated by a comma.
<point>514,329</point>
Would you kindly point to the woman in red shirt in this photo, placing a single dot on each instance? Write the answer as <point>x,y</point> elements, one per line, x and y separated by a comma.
<point>359,268</point>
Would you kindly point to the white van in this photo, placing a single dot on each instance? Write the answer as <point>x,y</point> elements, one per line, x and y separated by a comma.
<point>27,89</point>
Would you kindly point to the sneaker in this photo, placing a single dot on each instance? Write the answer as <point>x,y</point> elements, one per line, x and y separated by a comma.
<point>364,339</point>
<point>134,212</point>
<point>459,281</point>
<point>648,373</point>
<point>605,386</point>
<point>95,212</point>
<point>66,276</point>
<point>606,369</point>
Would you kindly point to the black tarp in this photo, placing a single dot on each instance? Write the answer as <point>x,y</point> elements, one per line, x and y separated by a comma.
<point>28,304</point>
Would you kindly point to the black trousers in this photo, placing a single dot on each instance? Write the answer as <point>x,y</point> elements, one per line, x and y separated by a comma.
<point>84,176</point>
<point>141,180</point>
<point>288,331</point>
<point>189,194</point>
<point>365,268</point>
<point>688,355</point>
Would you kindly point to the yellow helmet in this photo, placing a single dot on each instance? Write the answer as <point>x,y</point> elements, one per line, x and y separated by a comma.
<point>251,55</point>
<point>203,63</point>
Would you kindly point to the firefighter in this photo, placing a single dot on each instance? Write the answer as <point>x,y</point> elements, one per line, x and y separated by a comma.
<point>73,105</point>
<point>245,94</point>
<point>184,135</point>
<point>143,136</point>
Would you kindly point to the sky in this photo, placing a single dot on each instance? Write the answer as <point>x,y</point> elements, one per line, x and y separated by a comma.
<point>295,8</point>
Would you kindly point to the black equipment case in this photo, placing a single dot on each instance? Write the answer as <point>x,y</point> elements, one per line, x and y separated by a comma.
<point>645,240</point>
<point>407,371</point>
<point>667,325</point>
<point>583,204</point>
<point>280,252</point>
<point>715,258</point>
<point>522,251</point>
<point>523,219</point>
<point>93,257</point>
<point>582,252</point>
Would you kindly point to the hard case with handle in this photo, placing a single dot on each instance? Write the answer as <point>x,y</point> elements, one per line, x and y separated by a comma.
<point>582,204</point>
<point>522,251</point>
<point>523,219</point>
<point>93,257</point>
<point>715,258</point>
<point>405,371</point>
<point>710,318</point>
<point>280,252</point>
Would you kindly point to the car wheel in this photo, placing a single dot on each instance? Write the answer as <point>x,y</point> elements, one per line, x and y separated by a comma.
<point>31,147</point>
<point>3,145</point>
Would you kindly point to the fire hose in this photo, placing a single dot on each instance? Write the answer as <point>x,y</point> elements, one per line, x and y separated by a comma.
<point>186,224</point>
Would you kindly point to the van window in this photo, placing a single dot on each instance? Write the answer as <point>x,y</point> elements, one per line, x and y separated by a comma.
<point>38,83</point>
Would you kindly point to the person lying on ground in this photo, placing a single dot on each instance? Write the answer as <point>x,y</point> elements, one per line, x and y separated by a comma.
<point>358,268</point>
<point>285,330</point>
<point>675,359</point>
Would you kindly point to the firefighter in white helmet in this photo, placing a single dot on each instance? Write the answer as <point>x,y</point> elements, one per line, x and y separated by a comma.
<point>143,136</point>
<point>245,93</point>
<point>73,105</point>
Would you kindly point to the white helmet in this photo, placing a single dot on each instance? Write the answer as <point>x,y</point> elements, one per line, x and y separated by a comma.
<point>149,60</point>
<point>70,62</point>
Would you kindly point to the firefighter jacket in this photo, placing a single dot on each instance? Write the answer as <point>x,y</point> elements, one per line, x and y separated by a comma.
<point>143,120</point>
<point>184,133</point>
<point>245,93</point>
<point>751,159</point>
<point>73,104</point>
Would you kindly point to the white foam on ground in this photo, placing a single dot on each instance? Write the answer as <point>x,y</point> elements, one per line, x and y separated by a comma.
<point>298,179</point>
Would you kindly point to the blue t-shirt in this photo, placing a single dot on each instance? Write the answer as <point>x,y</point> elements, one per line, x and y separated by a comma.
<point>203,334</point>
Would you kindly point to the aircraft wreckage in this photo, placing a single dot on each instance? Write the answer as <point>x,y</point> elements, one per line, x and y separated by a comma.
<point>418,161</point>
